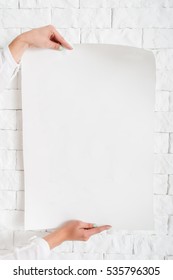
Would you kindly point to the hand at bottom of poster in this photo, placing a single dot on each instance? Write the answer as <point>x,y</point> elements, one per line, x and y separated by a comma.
<point>73,230</point>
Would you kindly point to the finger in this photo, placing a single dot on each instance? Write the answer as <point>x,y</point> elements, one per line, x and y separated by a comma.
<point>61,40</point>
<point>87,225</point>
<point>97,230</point>
<point>54,46</point>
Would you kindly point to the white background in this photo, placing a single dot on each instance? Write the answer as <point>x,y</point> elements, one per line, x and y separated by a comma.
<point>139,23</point>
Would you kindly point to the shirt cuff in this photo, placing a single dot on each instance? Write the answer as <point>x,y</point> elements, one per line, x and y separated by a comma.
<point>10,58</point>
<point>43,246</point>
<point>11,65</point>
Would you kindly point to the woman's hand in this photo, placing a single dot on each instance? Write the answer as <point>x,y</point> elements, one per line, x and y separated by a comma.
<point>73,230</point>
<point>43,37</point>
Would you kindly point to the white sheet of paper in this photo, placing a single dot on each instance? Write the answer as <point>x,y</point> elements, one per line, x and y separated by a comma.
<point>88,136</point>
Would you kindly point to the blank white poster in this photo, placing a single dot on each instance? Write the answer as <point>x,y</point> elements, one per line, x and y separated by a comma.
<point>88,136</point>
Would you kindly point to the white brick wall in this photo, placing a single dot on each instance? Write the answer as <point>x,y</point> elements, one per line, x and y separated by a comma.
<point>138,23</point>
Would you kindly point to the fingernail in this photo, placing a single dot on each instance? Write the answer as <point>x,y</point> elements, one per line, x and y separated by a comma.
<point>94,225</point>
<point>108,227</point>
<point>70,45</point>
<point>60,48</point>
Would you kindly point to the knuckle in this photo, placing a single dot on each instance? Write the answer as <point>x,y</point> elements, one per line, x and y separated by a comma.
<point>50,26</point>
<point>78,223</point>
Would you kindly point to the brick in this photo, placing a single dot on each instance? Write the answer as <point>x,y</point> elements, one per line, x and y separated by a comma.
<point>137,3</point>
<point>11,180</point>
<point>49,3</point>
<point>1,15</point>
<point>75,256</point>
<point>96,244</point>
<point>153,3</point>
<point>161,143</point>
<point>11,139</point>
<point>10,99</point>
<point>12,220</point>
<point>81,18</point>
<point>19,119</point>
<point>171,101</point>
<point>164,121</point>
<point>112,36</point>
<point>17,18</point>
<point>170,225</point>
<point>132,257</point>
<point>97,3</point>
<point>158,38</point>
<point>162,101</point>
<point>164,59</point>
<point>161,245</point>
<point>20,200</point>
<point>169,258</point>
<point>34,3</point>
<point>72,35</point>
<point>164,80</point>
<point>170,189</point>
<point>161,225</point>
<point>142,18</point>
<point>6,239</point>
<point>7,119</point>
<point>164,164</point>
<point>7,35</point>
<point>7,200</point>
<point>124,3</point>
<point>4,252</point>
<point>7,159</point>
<point>22,237</point>
<point>120,244</point>
<point>160,184</point>
<point>163,205</point>
<point>8,4</point>
<point>171,142</point>
<point>65,4</point>
<point>168,3</point>
<point>19,165</point>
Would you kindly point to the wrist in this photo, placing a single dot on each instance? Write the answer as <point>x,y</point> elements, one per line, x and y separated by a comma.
<point>23,41</point>
<point>55,238</point>
<point>18,46</point>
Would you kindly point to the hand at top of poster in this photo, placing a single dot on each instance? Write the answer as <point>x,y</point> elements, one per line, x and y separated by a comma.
<point>73,230</point>
<point>44,37</point>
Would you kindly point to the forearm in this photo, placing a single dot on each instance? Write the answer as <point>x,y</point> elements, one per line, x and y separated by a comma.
<point>18,47</point>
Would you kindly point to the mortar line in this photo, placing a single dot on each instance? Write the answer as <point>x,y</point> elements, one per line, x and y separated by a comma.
<point>111,18</point>
<point>142,38</point>
<point>168,184</point>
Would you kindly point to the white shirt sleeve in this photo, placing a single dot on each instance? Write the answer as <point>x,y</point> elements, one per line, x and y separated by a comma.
<point>37,249</point>
<point>8,68</point>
